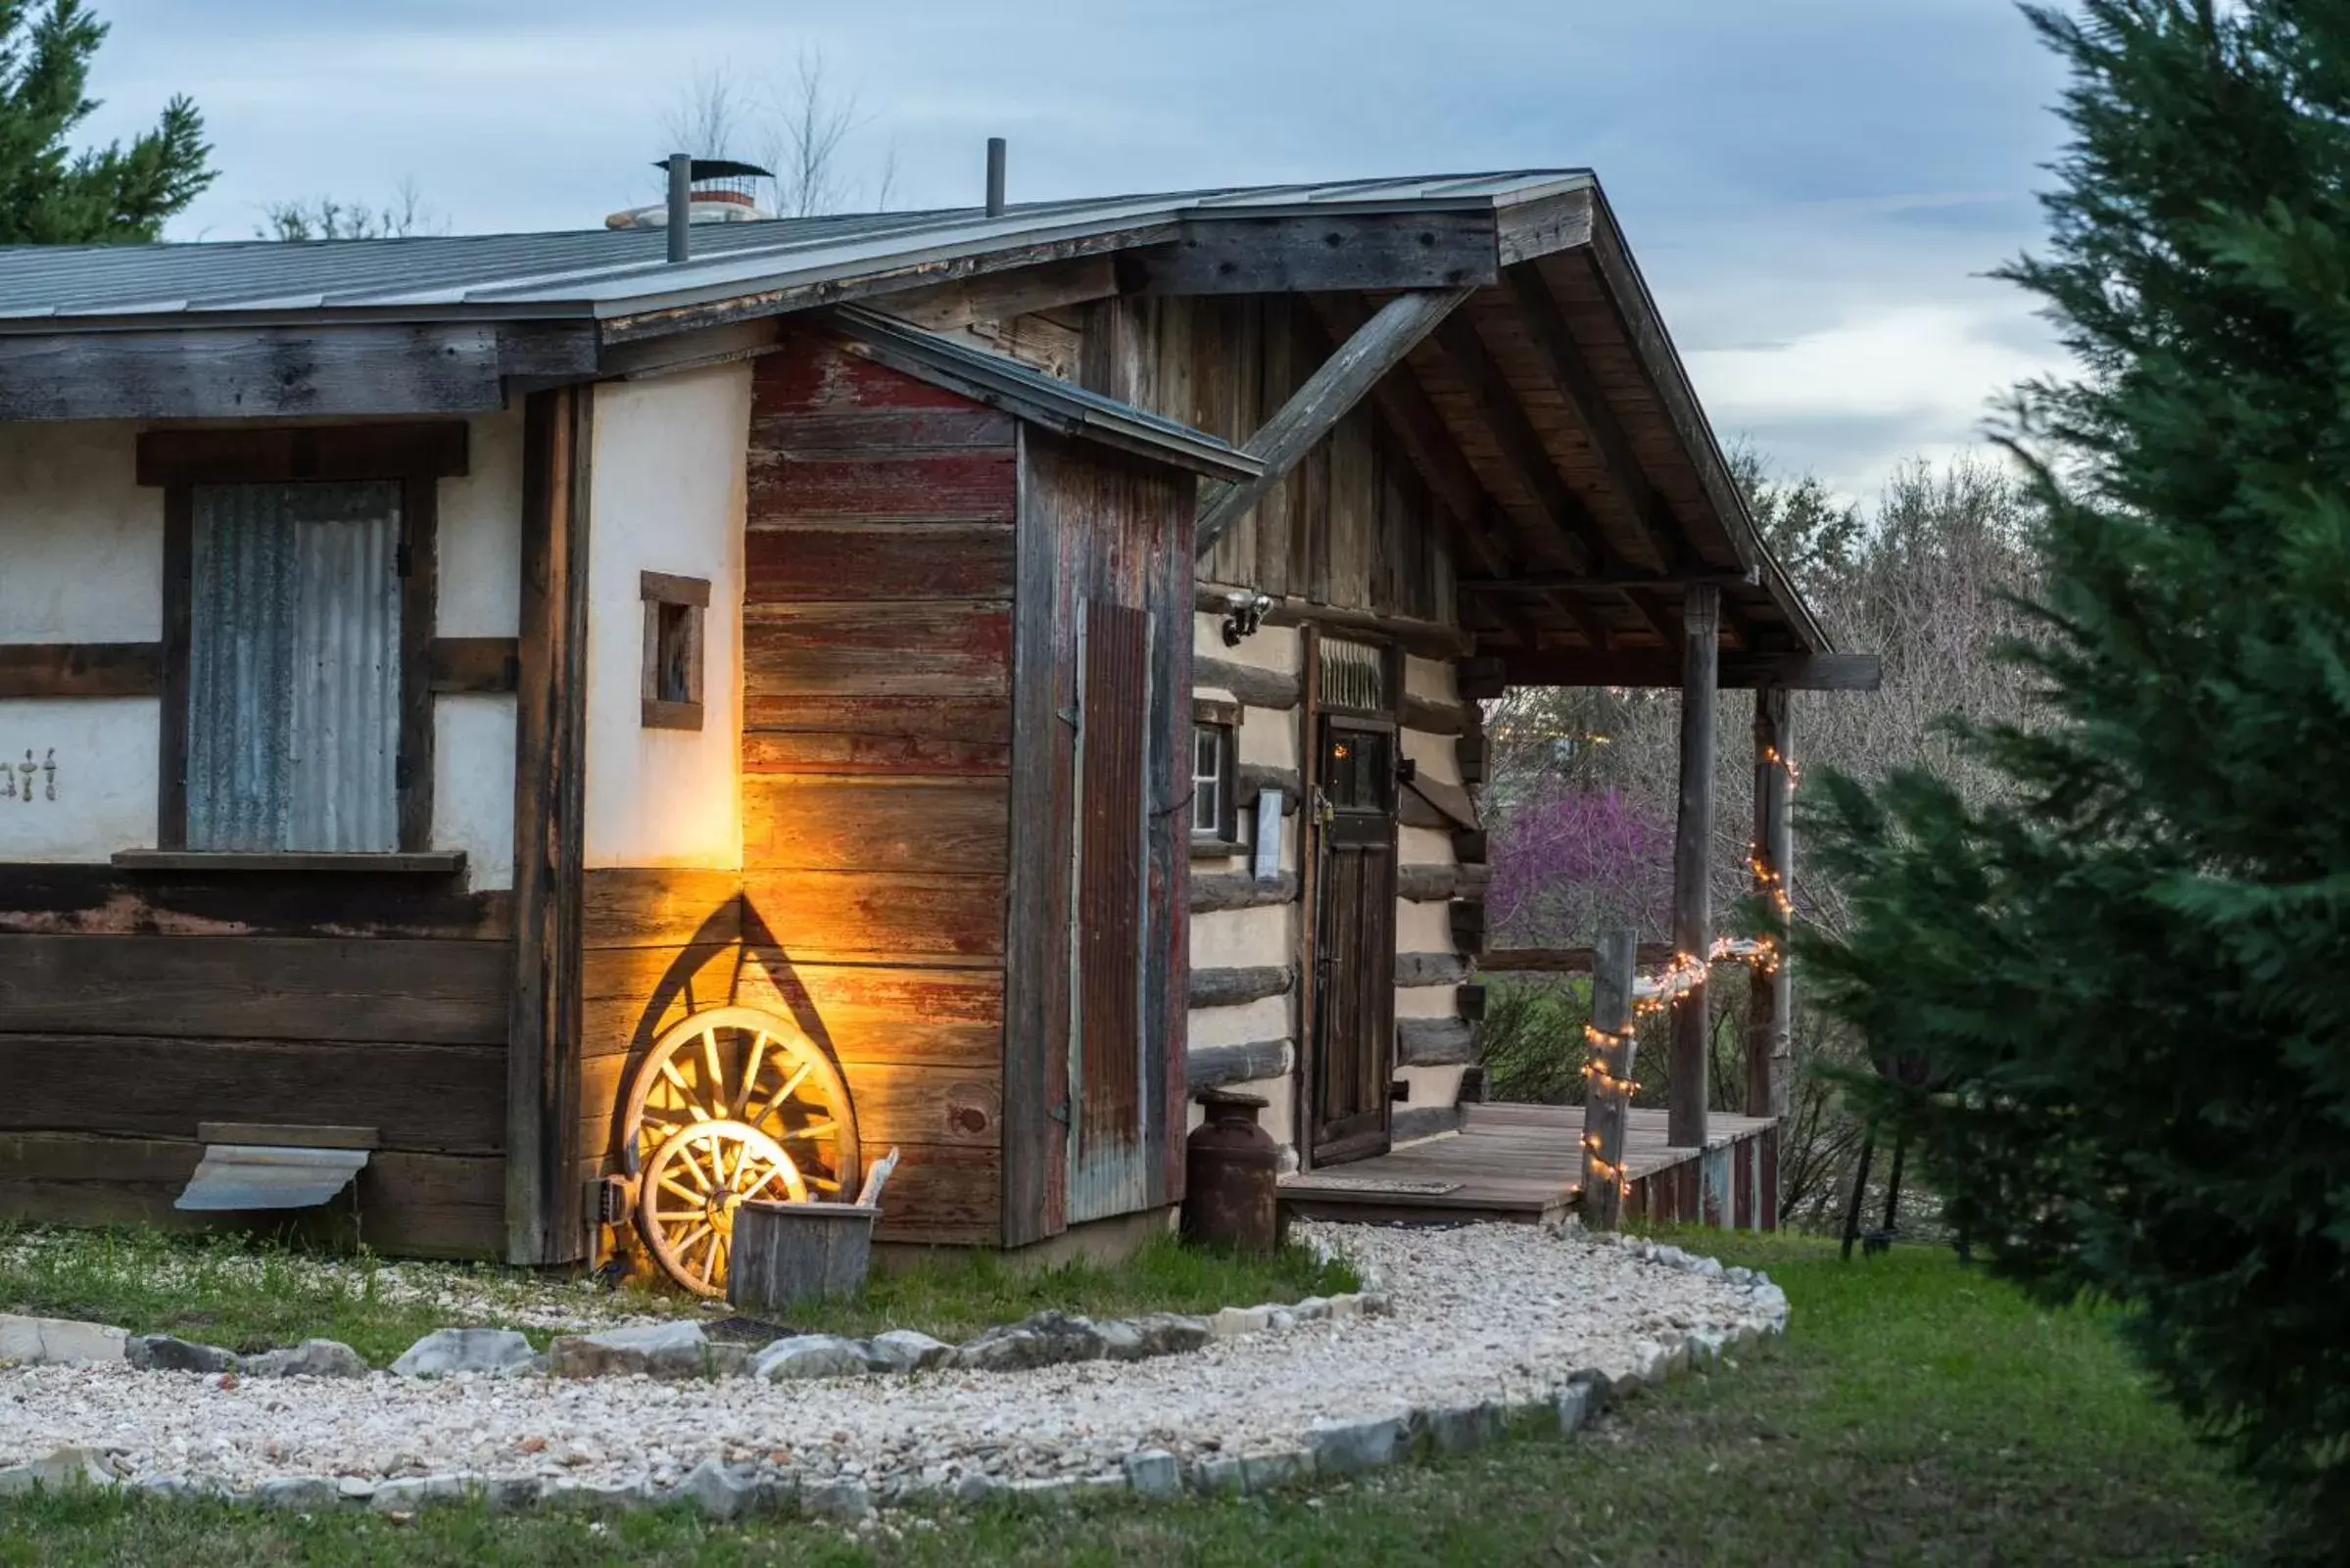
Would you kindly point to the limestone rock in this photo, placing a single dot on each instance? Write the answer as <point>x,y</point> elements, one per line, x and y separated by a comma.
<point>1462,1428</point>
<point>1344,1447</point>
<point>309,1359</point>
<point>1048,1339</point>
<point>1172,1334</point>
<point>59,1342</point>
<point>589,1497</point>
<point>718,1491</point>
<point>655,1349</point>
<point>64,1470</point>
<point>410,1493</point>
<point>805,1356</point>
<point>902,1349</point>
<point>463,1349</point>
<point>1155,1474</point>
<point>837,1500</point>
<point>1234,1322</point>
<point>1261,1473</point>
<point>161,1353</point>
<point>1576,1405</point>
<point>1218,1476</point>
<point>299,1493</point>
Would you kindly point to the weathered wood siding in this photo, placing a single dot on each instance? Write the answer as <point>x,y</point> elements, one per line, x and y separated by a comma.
<point>1352,526</point>
<point>876,751</point>
<point>1105,544</point>
<point>133,1007</point>
<point>1355,530</point>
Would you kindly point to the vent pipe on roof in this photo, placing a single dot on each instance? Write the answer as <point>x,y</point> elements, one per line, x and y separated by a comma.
<point>681,206</point>
<point>995,176</point>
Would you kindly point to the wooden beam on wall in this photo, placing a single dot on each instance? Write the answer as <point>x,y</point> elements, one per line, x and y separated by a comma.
<point>81,669</point>
<point>1330,251</point>
<point>1693,848</point>
<point>255,372</point>
<point>544,1204</point>
<point>1797,672</point>
<point>1327,396</point>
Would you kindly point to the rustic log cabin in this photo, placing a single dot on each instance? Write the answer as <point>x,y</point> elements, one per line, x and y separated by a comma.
<point>550,736</point>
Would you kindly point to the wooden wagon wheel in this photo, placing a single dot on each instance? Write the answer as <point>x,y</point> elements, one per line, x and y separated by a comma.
<point>744,1084</point>
<point>698,1177</point>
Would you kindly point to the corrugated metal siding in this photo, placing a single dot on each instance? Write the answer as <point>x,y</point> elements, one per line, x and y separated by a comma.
<point>1111,1175</point>
<point>294,670</point>
<point>1353,675</point>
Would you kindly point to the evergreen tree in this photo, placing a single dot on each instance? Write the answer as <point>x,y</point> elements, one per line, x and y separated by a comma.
<point>2131,972</point>
<point>99,196</point>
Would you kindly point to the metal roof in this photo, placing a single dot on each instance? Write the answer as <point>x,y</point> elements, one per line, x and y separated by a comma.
<point>604,272</point>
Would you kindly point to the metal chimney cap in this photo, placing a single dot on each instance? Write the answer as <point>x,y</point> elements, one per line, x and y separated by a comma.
<point>700,168</point>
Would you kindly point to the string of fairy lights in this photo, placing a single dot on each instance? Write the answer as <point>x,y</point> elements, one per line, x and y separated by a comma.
<point>1681,975</point>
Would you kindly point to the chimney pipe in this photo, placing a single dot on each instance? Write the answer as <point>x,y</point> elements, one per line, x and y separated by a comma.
<point>681,206</point>
<point>995,176</point>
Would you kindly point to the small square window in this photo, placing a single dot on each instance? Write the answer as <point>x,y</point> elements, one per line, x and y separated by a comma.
<point>674,608</point>
<point>1212,807</point>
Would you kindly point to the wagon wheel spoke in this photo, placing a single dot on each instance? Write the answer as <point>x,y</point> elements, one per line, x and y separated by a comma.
<point>814,1129</point>
<point>751,1062</point>
<point>709,1059</point>
<point>780,1096</point>
<point>680,1189</point>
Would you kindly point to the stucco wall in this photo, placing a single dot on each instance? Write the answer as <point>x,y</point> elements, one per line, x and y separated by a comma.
<point>668,498</point>
<point>81,561</point>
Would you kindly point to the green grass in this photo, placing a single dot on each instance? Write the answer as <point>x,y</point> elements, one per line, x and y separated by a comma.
<point>956,1295</point>
<point>1915,1415</point>
<point>251,1293</point>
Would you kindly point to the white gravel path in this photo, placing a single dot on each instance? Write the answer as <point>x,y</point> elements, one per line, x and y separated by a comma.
<point>1486,1313</point>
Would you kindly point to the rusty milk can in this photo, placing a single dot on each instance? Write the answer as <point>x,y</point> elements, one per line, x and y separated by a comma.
<point>1229,1168</point>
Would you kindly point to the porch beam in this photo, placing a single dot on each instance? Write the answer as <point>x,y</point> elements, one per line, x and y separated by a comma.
<point>1328,394</point>
<point>1693,844</point>
<point>1649,667</point>
<point>1296,255</point>
<point>1770,993</point>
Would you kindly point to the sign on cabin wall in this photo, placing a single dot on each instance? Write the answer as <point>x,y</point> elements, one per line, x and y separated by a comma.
<point>38,778</point>
<point>1267,867</point>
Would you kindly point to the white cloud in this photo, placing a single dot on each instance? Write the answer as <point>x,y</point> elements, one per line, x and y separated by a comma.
<point>1943,361</point>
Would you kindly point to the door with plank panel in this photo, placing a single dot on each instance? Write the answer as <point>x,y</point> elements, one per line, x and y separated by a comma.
<point>1110,848</point>
<point>1354,948</point>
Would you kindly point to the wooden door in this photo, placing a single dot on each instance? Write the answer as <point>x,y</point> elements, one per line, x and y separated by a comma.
<point>1353,947</point>
<point>1110,1033</point>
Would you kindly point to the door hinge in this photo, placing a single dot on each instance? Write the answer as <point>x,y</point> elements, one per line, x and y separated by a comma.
<point>403,771</point>
<point>1060,1113</point>
<point>1068,715</point>
<point>404,559</point>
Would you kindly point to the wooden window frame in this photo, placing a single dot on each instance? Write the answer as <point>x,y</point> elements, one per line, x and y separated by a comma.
<point>414,455</point>
<point>663,591</point>
<point>1224,717</point>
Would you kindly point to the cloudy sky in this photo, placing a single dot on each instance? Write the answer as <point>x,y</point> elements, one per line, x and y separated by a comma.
<point>1813,187</point>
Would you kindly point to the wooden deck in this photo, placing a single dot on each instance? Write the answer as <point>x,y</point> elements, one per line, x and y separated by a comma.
<point>1525,1162</point>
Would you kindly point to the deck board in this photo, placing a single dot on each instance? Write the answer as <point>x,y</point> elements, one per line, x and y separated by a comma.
<point>1507,1161</point>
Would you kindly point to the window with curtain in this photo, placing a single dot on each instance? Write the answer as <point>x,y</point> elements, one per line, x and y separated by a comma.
<point>294,667</point>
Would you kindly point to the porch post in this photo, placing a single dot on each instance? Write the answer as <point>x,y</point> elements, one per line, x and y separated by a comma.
<point>1693,842</point>
<point>1770,998</point>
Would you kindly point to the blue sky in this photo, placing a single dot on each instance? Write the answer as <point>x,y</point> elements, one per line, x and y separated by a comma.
<point>1813,187</point>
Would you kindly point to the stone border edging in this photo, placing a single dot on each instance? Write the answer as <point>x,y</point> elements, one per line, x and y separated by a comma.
<point>1332,1449</point>
<point>679,1349</point>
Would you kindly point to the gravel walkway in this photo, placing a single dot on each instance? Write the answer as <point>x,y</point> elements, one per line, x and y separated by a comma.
<point>1486,1313</point>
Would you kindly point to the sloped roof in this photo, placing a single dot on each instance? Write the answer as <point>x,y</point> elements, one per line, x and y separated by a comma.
<point>1005,383</point>
<point>600,273</point>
